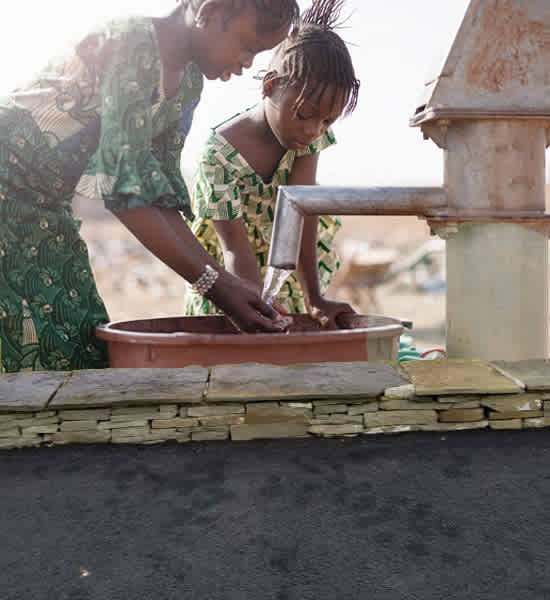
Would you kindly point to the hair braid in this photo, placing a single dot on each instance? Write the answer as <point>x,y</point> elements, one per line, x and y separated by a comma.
<point>314,57</point>
<point>324,13</point>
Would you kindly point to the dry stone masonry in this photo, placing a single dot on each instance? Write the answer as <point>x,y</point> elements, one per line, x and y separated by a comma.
<point>246,402</point>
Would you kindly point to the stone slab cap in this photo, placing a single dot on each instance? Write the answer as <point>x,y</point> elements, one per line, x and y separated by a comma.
<point>449,377</point>
<point>320,380</point>
<point>107,387</point>
<point>29,391</point>
<point>498,62</point>
<point>533,374</point>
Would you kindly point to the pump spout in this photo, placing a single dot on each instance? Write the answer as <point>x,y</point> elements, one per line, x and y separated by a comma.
<point>294,202</point>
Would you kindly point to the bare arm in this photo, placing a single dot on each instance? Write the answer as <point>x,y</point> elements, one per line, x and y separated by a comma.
<point>177,248</point>
<point>304,172</point>
<point>164,232</point>
<point>238,255</point>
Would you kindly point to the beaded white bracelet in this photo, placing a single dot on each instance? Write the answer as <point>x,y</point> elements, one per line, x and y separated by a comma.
<point>206,281</point>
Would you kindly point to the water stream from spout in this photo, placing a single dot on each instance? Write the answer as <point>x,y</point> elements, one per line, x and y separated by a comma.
<point>273,282</point>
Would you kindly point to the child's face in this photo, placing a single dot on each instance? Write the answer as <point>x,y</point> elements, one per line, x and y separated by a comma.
<point>297,129</point>
<point>228,47</point>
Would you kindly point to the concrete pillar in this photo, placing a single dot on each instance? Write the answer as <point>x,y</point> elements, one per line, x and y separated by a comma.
<point>497,292</point>
<point>496,165</point>
<point>497,273</point>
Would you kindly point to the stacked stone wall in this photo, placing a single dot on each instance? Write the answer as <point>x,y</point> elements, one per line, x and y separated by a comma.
<point>248,402</point>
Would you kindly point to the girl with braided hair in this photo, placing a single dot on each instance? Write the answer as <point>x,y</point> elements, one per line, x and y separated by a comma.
<point>109,121</point>
<point>309,84</point>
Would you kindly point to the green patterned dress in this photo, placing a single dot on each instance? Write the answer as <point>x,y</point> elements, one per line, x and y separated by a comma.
<point>226,187</point>
<point>95,122</point>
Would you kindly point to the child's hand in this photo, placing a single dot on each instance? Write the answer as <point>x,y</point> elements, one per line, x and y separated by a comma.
<point>242,303</point>
<point>284,318</point>
<point>326,311</point>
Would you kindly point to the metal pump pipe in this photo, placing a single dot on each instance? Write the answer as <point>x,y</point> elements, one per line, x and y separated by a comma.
<point>294,202</point>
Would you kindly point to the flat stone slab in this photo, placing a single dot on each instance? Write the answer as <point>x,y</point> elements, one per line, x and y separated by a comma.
<point>462,415</point>
<point>243,433</point>
<point>323,380</point>
<point>400,417</point>
<point>109,387</point>
<point>534,374</point>
<point>29,391</point>
<point>449,377</point>
<point>518,402</point>
<point>510,424</point>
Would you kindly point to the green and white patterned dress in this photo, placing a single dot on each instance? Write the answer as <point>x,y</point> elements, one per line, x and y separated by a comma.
<point>95,121</point>
<point>226,187</point>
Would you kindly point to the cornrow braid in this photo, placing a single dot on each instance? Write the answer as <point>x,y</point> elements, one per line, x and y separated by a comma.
<point>314,57</point>
<point>273,15</point>
<point>325,13</point>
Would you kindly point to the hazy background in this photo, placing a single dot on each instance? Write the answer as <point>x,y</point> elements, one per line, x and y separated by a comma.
<point>394,45</point>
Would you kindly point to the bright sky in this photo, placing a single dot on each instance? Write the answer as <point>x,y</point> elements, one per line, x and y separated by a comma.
<point>395,46</point>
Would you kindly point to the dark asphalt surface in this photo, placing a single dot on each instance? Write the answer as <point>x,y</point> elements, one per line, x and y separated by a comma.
<point>420,516</point>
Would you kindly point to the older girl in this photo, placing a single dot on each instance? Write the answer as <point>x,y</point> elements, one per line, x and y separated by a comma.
<point>109,121</point>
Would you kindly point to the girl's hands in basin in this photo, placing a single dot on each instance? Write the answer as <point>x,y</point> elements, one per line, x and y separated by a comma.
<point>242,303</point>
<point>328,311</point>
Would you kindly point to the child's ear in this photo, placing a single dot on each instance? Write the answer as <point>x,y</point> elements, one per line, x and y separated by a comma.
<point>269,82</point>
<point>207,10</point>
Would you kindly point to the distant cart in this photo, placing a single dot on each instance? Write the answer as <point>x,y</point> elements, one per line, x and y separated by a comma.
<point>364,268</point>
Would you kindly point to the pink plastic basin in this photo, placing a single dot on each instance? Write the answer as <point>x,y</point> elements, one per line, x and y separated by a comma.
<point>169,342</point>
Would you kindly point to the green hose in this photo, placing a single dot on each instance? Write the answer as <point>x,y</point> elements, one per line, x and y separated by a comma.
<point>409,352</point>
<point>406,349</point>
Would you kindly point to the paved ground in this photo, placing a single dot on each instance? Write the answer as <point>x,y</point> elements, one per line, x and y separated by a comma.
<point>460,516</point>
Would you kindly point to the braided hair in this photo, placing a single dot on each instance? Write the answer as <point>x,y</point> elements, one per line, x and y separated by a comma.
<point>273,15</point>
<point>314,57</point>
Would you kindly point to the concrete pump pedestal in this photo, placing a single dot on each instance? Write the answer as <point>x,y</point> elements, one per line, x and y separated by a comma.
<point>497,246</point>
<point>487,108</point>
<point>495,166</point>
<point>497,292</point>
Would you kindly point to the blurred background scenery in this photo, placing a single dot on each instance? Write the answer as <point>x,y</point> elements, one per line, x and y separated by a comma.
<point>391,265</point>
